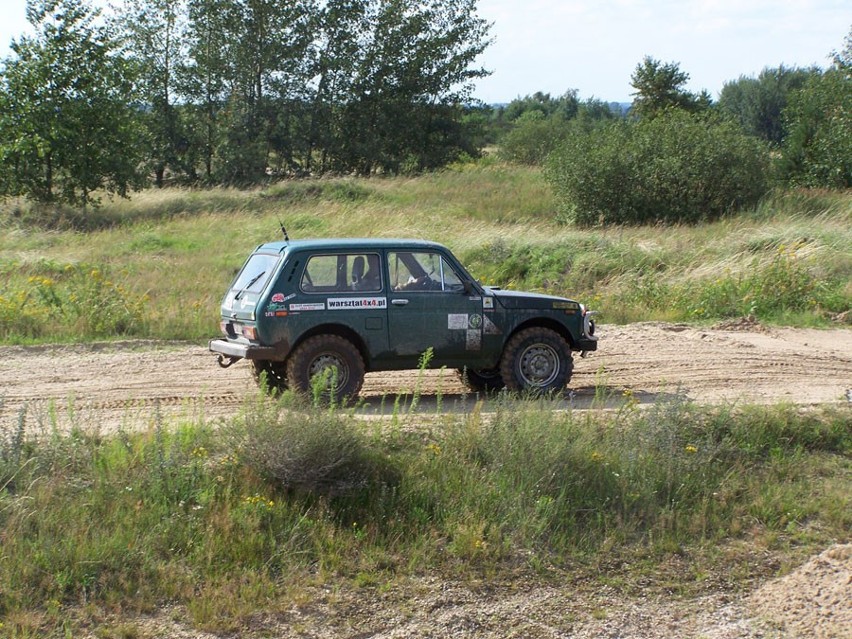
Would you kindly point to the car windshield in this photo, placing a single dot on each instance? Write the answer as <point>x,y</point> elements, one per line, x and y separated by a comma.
<point>255,273</point>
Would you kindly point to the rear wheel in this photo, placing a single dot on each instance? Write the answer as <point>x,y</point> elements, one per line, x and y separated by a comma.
<point>481,380</point>
<point>275,374</point>
<point>537,359</point>
<point>332,358</point>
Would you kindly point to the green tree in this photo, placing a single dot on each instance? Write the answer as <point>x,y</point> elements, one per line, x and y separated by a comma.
<point>660,87</point>
<point>268,45</point>
<point>566,106</point>
<point>66,127</point>
<point>757,103</point>
<point>817,151</point>
<point>154,36</point>
<point>203,77</point>
<point>843,59</point>
<point>538,131</point>
<point>340,27</point>
<point>414,75</point>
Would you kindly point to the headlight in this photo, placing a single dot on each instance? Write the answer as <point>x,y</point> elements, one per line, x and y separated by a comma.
<point>589,323</point>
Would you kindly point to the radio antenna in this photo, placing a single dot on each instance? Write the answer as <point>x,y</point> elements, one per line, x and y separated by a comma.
<point>283,230</point>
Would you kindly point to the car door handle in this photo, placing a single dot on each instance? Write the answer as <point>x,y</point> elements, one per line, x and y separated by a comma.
<point>399,302</point>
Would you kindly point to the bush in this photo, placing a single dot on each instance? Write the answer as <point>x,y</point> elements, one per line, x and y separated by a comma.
<point>316,452</point>
<point>675,168</point>
<point>533,138</point>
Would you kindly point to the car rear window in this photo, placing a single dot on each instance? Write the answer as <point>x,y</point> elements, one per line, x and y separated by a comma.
<point>255,273</point>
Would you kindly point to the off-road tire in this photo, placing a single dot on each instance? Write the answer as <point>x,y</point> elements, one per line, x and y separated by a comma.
<point>536,360</point>
<point>276,374</point>
<point>322,352</point>
<point>483,380</point>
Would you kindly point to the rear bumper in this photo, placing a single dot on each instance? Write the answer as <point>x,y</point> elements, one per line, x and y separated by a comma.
<point>586,345</point>
<point>245,351</point>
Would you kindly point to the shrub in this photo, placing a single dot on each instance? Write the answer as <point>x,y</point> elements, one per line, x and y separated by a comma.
<point>675,168</point>
<point>318,452</point>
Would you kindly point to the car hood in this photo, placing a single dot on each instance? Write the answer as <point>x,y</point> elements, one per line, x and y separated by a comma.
<point>520,299</point>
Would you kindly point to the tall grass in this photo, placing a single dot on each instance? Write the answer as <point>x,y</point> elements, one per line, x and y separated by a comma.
<point>170,254</point>
<point>231,522</point>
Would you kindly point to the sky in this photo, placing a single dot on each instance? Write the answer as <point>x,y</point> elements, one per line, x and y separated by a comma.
<point>594,46</point>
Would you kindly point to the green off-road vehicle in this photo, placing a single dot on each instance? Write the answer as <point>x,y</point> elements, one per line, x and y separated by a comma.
<point>343,307</point>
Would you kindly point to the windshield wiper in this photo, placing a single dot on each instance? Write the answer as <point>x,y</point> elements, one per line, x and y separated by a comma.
<point>249,285</point>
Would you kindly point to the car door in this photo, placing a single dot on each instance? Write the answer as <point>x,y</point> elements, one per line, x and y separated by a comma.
<point>430,307</point>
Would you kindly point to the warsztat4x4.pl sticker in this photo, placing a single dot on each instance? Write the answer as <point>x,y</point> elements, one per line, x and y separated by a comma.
<point>349,303</point>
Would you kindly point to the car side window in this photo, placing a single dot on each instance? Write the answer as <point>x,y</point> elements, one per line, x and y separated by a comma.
<point>342,273</point>
<point>422,271</point>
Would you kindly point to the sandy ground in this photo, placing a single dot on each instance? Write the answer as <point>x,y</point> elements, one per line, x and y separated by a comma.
<point>131,384</point>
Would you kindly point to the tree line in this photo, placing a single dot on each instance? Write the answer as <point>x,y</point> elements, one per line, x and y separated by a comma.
<point>227,91</point>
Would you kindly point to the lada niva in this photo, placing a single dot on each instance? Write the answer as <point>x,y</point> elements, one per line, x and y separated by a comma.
<point>342,307</point>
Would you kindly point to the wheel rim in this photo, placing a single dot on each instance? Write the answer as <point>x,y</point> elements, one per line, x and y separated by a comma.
<point>538,365</point>
<point>330,364</point>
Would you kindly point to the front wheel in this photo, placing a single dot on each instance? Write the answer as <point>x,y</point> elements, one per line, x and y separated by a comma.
<point>331,358</point>
<point>536,359</point>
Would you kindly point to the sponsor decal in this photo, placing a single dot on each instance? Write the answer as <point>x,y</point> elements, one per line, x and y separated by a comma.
<point>457,321</point>
<point>475,321</point>
<point>488,303</point>
<point>489,327</point>
<point>350,303</point>
<point>280,313</point>
<point>278,298</point>
<point>276,307</point>
<point>474,340</point>
<point>316,306</point>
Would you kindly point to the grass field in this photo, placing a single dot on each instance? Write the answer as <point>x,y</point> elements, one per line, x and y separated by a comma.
<point>157,265</point>
<point>227,520</point>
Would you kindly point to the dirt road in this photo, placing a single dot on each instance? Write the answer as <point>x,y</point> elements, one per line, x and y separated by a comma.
<point>119,383</point>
